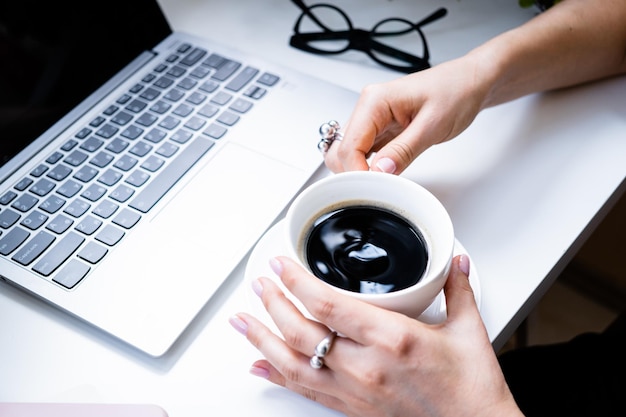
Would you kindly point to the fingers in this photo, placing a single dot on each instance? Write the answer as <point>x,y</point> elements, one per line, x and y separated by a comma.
<point>460,300</point>
<point>264,369</point>
<point>357,320</point>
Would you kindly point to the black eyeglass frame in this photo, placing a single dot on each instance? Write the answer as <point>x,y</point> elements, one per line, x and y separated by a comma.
<point>364,40</point>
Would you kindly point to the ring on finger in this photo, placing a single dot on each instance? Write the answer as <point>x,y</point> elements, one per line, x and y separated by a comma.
<point>321,350</point>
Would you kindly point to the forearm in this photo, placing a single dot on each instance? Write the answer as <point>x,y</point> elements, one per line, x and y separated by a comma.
<point>572,43</point>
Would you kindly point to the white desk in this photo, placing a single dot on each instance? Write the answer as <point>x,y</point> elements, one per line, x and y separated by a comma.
<point>524,185</point>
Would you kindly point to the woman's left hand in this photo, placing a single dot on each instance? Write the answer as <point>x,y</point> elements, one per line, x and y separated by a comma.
<point>383,363</point>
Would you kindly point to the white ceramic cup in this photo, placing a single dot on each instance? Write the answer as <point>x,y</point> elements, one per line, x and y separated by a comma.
<point>399,195</point>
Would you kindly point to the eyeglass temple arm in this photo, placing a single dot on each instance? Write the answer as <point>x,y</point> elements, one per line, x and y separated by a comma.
<point>436,15</point>
<point>305,9</point>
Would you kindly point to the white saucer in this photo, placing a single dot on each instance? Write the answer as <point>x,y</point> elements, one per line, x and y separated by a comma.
<point>271,245</point>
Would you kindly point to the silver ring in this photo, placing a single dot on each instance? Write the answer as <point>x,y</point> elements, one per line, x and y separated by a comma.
<point>329,133</point>
<point>321,350</point>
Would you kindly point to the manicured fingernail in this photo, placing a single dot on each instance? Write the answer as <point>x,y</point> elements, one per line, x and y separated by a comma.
<point>386,165</point>
<point>257,287</point>
<point>464,264</point>
<point>259,371</point>
<point>238,324</point>
<point>276,266</point>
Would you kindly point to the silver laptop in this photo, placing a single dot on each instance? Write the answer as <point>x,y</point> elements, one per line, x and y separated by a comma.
<point>140,166</point>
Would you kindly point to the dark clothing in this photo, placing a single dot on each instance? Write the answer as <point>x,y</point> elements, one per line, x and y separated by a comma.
<point>583,377</point>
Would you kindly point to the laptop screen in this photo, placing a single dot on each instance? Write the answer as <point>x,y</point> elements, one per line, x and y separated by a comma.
<point>55,53</point>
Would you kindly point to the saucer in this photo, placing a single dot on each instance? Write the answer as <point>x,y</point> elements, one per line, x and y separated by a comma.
<point>272,244</point>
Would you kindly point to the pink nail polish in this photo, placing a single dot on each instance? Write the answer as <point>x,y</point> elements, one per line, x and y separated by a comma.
<point>257,287</point>
<point>276,266</point>
<point>464,264</point>
<point>259,371</point>
<point>238,324</point>
<point>386,165</point>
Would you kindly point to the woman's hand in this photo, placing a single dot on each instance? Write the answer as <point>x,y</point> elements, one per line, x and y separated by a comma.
<point>384,363</point>
<point>402,118</point>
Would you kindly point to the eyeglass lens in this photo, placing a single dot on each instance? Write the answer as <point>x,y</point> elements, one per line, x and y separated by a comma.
<point>394,42</point>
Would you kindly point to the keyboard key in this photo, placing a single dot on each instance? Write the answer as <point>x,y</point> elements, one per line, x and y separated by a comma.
<point>74,159</point>
<point>136,106</point>
<point>125,163</point>
<point>132,132</point>
<point>146,119</point>
<point>225,70</point>
<point>140,149</point>
<point>160,107</point>
<point>94,192</point>
<point>150,94</point>
<point>153,163</point>
<point>77,208</point>
<point>24,203</point>
<point>174,95</point>
<point>93,252</point>
<point>8,218</point>
<point>92,144</point>
<point>59,253</point>
<point>12,240</point>
<point>167,149</point>
<point>181,136</point>
<point>127,218</point>
<point>60,224</point>
<point>101,160</point>
<point>107,131</point>
<point>110,177</point>
<point>137,178</point>
<point>243,78</point>
<point>183,110</point>
<point>268,79</point>
<point>176,71</point>
<point>193,57</point>
<point>215,131</point>
<point>221,98</point>
<point>60,172</point>
<point>39,171</point>
<point>34,220</point>
<point>69,189</point>
<point>228,118</point>
<point>122,193</point>
<point>122,118</point>
<point>117,145</point>
<point>72,274</point>
<point>23,184</point>
<point>157,188</point>
<point>88,225</point>
<point>255,92</point>
<point>7,197</point>
<point>240,105</point>
<point>52,204</point>
<point>35,247</point>
<point>110,235</point>
<point>106,209</point>
<point>85,174</point>
<point>195,123</point>
<point>155,135</point>
<point>42,187</point>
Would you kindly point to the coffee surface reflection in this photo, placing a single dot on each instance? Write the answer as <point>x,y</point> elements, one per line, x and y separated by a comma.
<point>366,249</point>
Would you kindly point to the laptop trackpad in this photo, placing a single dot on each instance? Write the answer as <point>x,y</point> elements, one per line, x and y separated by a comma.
<point>234,198</point>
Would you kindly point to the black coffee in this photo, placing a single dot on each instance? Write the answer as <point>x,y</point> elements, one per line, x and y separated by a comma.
<point>366,249</point>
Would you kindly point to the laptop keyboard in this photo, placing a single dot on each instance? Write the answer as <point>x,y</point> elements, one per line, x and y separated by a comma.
<point>70,211</point>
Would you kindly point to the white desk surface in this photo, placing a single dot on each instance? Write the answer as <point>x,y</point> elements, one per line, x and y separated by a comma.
<point>525,184</point>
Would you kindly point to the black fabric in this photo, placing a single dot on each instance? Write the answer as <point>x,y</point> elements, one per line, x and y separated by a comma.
<point>582,377</point>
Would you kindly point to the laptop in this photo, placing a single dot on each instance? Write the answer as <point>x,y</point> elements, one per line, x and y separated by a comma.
<point>139,165</point>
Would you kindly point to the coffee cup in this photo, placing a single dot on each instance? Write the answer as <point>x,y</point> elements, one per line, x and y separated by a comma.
<point>380,238</point>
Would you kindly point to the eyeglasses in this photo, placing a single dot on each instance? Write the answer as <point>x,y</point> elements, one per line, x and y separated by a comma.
<point>326,30</point>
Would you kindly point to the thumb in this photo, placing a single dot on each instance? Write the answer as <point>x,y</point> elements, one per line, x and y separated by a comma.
<point>460,299</point>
